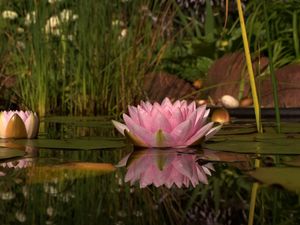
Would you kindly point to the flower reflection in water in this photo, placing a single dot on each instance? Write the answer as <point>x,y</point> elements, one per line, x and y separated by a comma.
<point>165,167</point>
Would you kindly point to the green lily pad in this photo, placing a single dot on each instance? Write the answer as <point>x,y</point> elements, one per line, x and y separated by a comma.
<point>237,130</point>
<point>295,161</point>
<point>288,177</point>
<point>7,153</point>
<point>277,146</point>
<point>66,144</point>
<point>67,171</point>
<point>218,156</point>
<point>72,119</point>
<point>99,121</point>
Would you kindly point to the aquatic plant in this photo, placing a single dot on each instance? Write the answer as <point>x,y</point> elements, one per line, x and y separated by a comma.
<point>18,124</point>
<point>167,124</point>
<point>165,167</point>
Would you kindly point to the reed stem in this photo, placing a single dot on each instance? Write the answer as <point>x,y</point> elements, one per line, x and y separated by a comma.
<point>249,67</point>
<point>271,65</point>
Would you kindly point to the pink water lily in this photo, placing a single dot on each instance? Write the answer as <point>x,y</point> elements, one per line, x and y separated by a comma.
<point>18,124</point>
<point>165,167</point>
<point>168,124</point>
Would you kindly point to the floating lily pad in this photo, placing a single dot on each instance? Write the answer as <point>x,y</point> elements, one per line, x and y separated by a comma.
<point>68,171</point>
<point>286,177</point>
<point>66,144</point>
<point>238,130</point>
<point>295,161</point>
<point>99,121</point>
<point>7,153</point>
<point>277,146</point>
<point>71,119</point>
<point>218,156</point>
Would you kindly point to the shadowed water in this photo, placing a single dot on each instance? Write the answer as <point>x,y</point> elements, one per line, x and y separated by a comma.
<point>73,181</point>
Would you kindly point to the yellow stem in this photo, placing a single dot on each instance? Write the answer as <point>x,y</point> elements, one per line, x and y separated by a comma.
<point>254,190</point>
<point>249,66</point>
<point>252,203</point>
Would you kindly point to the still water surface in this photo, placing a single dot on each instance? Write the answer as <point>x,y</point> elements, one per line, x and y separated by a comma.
<point>120,185</point>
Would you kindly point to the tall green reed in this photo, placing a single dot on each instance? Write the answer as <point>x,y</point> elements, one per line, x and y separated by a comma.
<point>90,57</point>
<point>271,65</point>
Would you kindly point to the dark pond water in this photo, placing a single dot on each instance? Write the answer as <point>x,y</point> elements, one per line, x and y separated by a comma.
<point>79,171</point>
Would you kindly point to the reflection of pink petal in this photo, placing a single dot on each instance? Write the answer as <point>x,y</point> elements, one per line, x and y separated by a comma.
<point>154,167</point>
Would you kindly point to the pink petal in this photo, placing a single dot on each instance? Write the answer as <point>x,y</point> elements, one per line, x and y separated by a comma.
<point>184,165</point>
<point>143,134</point>
<point>160,122</point>
<point>3,125</point>
<point>212,132</point>
<point>147,106</point>
<point>133,113</point>
<point>200,113</point>
<point>192,106</point>
<point>32,125</point>
<point>176,117</point>
<point>199,134</point>
<point>120,126</point>
<point>201,175</point>
<point>183,131</point>
<point>166,102</point>
<point>145,119</point>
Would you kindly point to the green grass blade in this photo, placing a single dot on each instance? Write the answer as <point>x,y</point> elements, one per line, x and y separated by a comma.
<point>271,65</point>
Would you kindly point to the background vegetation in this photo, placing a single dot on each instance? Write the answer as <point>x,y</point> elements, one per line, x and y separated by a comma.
<point>90,57</point>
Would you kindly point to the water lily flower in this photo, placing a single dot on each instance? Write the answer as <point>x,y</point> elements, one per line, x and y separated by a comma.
<point>167,124</point>
<point>165,167</point>
<point>18,124</point>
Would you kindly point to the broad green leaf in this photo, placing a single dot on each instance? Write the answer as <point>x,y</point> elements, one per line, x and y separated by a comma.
<point>293,161</point>
<point>277,146</point>
<point>101,121</point>
<point>66,144</point>
<point>287,177</point>
<point>6,153</point>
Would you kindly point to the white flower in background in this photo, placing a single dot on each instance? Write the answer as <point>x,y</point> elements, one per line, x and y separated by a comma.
<point>70,37</point>
<point>20,216</point>
<point>51,26</point>
<point>117,23</point>
<point>53,22</point>
<point>20,30</point>
<point>8,14</point>
<point>67,15</point>
<point>21,45</point>
<point>7,195</point>
<point>75,17</point>
<point>30,18</point>
<point>123,34</point>
<point>53,1</point>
